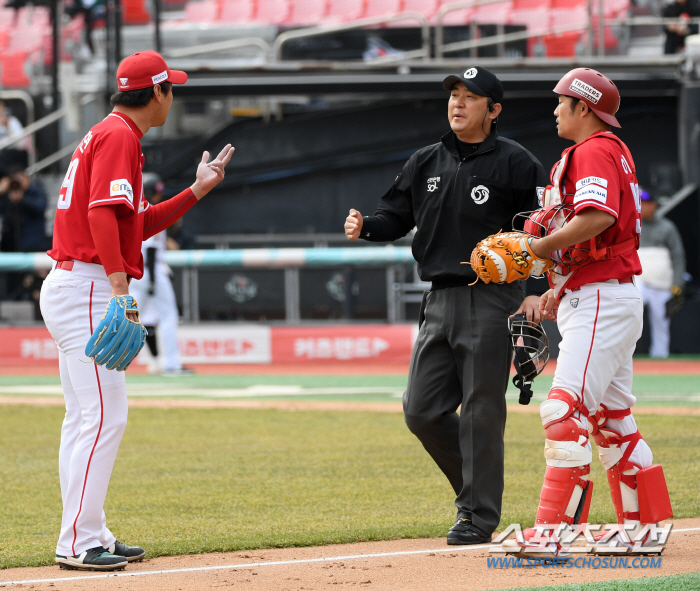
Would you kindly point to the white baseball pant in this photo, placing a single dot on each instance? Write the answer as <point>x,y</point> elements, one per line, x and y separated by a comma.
<point>600,325</point>
<point>73,303</point>
<point>655,300</point>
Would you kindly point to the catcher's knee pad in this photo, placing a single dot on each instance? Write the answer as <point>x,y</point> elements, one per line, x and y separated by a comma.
<point>639,494</point>
<point>566,492</point>
<point>564,419</point>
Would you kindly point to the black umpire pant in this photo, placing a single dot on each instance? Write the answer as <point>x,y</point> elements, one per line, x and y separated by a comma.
<point>462,356</point>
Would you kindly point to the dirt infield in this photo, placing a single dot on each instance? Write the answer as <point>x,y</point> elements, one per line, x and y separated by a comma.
<point>641,367</point>
<point>406,565</point>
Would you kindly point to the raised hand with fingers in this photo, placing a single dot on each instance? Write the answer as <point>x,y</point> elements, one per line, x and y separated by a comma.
<point>210,174</point>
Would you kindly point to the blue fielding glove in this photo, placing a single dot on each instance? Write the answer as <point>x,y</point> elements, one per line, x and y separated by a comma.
<point>117,340</point>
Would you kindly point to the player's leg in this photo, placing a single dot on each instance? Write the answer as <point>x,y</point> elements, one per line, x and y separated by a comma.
<point>67,301</point>
<point>598,326</point>
<point>169,317</point>
<point>480,341</point>
<point>660,325</point>
<point>434,392</point>
<point>628,460</point>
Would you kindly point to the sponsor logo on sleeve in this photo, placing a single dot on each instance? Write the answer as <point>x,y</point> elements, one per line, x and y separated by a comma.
<point>591,193</point>
<point>592,180</point>
<point>586,91</point>
<point>158,78</point>
<point>121,187</point>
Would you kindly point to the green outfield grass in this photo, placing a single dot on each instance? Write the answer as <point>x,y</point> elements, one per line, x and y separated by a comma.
<point>191,481</point>
<point>689,582</point>
<point>661,390</point>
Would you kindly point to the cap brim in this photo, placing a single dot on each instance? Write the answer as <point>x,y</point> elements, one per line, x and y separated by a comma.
<point>177,77</point>
<point>450,81</point>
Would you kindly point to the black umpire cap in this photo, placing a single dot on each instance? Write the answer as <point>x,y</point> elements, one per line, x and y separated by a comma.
<point>480,81</point>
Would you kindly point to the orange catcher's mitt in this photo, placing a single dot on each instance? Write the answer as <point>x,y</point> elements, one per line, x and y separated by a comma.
<point>506,257</point>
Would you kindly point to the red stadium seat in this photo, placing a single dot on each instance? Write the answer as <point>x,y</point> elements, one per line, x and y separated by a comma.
<point>534,20</point>
<point>614,8</point>
<point>202,11</point>
<point>7,17</point>
<point>570,4</point>
<point>4,39</point>
<point>564,44</point>
<point>344,10</point>
<point>458,17</point>
<point>237,11</point>
<point>382,7</point>
<point>530,4</point>
<point>274,12</point>
<point>492,14</point>
<point>134,12</point>
<point>428,8</point>
<point>13,72</point>
<point>307,12</point>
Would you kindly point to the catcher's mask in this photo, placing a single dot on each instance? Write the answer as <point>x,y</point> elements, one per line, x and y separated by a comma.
<point>531,348</point>
<point>546,221</point>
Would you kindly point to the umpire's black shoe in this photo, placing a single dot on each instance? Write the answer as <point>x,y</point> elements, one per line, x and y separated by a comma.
<point>465,532</point>
<point>131,553</point>
<point>93,559</point>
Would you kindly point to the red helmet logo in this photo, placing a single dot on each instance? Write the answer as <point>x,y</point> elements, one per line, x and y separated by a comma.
<point>594,89</point>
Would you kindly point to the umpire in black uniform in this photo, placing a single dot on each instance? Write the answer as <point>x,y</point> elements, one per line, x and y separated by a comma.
<point>457,192</point>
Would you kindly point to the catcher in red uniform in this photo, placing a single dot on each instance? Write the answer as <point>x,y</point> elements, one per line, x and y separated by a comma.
<point>588,232</point>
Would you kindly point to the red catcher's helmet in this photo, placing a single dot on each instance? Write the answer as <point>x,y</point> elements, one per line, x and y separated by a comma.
<point>594,89</point>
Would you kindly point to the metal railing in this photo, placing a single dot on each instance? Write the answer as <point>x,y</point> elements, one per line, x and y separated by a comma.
<point>26,98</point>
<point>258,42</point>
<point>424,52</point>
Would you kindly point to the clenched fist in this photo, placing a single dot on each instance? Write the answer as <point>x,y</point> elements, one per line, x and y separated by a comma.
<point>353,225</point>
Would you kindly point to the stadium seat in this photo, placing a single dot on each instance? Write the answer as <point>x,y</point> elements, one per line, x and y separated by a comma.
<point>13,73</point>
<point>564,44</point>
<point>615,8</point>
<point>274,12</point>
<point>492,14</point>
<point>376,8</point>
<point>4,39</point>
<point>237,11</point>
<point>533,20</point>
<point>530,4</point>
<point>135,13</point>
<point>428,8</point>
<point>202,11</point>
<point>7,17</point>
<point>458,17</point>
<point>307,12</point>
<point>570,4</point>
<point>344,10</point>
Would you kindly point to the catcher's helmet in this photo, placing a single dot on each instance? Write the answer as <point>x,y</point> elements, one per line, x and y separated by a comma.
<point>594,89</point>
<point>531,348</point>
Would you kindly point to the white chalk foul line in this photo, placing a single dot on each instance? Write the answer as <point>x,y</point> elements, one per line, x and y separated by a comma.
<point>249,565</point>
<point>259,564</point>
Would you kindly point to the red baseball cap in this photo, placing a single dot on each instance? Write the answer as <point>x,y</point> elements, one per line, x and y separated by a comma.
<point>144,69</point>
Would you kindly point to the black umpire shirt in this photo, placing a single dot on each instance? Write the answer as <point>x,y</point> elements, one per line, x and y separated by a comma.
<point>455,201</point>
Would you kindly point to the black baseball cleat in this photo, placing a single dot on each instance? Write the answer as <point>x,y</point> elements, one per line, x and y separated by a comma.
<point>93,559</point>
<point>131,553</point>
<point>465,532</point>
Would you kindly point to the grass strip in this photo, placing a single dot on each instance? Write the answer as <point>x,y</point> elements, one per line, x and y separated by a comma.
<point>688,582</point>
<point>207,480</point>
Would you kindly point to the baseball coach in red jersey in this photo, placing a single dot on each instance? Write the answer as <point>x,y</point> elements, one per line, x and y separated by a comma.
<point>101,220</point>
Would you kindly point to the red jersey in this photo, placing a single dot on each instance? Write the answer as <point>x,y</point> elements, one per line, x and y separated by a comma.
<point>599,172</point>
<point>105,169</point>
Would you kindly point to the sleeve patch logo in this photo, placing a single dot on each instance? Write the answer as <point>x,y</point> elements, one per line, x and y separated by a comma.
<point>158,78</point>
<point>586,91</point>
<point>591,180</point>
<point>121,187</point>
<point>591,193</point>
<point>540,195</point>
